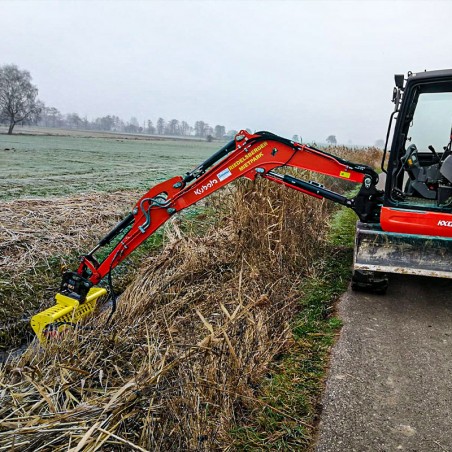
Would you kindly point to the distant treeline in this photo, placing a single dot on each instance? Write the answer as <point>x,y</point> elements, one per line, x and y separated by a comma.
<point>52,117</point>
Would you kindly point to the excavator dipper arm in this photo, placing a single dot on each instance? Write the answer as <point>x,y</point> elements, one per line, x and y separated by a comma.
<point>248,155</point>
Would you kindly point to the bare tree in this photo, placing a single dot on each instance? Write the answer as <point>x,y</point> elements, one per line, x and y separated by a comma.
<point>173,128</point>
<point>160,126</point>
<point>105,123</point>
<point>219,131</point>
<point>331,139</point>
<point>18,101</point>
<point>51,117</point>
<point>73,121</point>
<point>202,129</point>
<point>185,128</point>
<point>231,134</point>
<point>150,128</point>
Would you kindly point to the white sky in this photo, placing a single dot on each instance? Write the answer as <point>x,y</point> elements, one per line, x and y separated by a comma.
<point>312,68</point>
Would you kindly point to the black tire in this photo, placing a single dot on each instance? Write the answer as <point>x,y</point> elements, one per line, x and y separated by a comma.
<point>368,281</point>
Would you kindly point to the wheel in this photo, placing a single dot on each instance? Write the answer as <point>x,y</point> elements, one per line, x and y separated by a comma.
<point>369,281</point>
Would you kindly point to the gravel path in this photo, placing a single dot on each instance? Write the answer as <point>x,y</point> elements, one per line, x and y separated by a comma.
<point>390,383</point>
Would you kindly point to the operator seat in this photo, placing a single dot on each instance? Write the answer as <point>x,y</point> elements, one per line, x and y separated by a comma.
<point>419,175</point>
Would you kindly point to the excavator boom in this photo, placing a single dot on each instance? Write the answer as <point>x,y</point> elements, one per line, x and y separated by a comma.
<point>248,155</point>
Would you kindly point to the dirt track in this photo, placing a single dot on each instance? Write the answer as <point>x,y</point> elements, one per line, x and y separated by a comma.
<point>390,383</point>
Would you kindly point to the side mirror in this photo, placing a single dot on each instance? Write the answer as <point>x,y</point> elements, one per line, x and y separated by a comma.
<point>399,79</point>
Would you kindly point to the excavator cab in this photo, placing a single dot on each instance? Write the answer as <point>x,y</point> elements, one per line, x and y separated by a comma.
<point>414,235</point>
<point>422,172</point>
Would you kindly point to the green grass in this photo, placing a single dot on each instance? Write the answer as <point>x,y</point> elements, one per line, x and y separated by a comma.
<point>342,232</point>
<point>64,165</point>
<point>291,393</point>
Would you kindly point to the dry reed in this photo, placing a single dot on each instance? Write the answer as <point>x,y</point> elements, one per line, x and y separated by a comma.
<point>37,238</point>
<point>193,338</point>
<point>191,341</point>
<point>35,230</point>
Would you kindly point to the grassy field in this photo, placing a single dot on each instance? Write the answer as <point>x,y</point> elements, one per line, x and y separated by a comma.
<point>43,166</point>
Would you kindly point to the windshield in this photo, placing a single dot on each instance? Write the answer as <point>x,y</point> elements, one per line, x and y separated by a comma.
<point>432,121</point>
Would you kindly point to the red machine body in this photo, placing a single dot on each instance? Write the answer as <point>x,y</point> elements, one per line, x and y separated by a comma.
<point>419,222</point>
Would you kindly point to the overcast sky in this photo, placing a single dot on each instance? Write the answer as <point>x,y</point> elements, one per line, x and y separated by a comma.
<point>312,68</point>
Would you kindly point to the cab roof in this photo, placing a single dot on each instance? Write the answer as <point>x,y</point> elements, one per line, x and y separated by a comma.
<point>440,74</point>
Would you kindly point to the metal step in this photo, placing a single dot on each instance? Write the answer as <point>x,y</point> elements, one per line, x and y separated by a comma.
<point>376,250</point>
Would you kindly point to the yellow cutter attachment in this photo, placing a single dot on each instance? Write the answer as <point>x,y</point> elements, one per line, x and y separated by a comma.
<point>66,312</point>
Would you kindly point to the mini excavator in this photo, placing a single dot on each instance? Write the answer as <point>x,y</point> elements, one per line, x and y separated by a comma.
<point>405,228</point>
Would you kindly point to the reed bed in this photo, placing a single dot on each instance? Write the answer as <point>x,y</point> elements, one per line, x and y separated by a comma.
<point>191,342</point>
<point>33,231</point>
<point>38,237</point>
<point>181,365</point>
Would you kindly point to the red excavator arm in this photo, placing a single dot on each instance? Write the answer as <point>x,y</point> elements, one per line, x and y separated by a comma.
<point>248,155</point>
